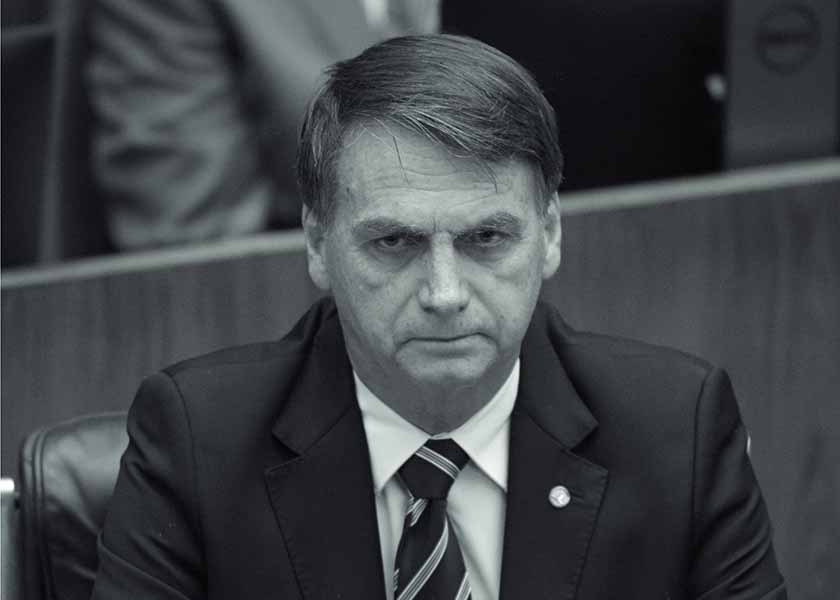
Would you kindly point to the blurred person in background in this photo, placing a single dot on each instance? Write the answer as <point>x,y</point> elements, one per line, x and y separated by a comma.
<point>197,102</point>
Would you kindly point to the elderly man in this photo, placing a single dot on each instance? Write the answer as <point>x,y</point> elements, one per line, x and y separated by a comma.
<point>432,431</point>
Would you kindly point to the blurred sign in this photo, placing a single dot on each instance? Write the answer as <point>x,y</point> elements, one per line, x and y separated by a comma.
<point>788,37</point>
<point>782,70</point>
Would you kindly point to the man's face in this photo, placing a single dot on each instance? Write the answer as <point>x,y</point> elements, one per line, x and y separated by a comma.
<point>435,265</point>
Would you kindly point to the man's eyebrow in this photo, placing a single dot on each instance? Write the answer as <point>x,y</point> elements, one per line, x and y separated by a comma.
<point>499,220</point>
<point>383,226</point>
<point>378,227</point>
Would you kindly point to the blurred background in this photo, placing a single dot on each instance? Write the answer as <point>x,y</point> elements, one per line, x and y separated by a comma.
<point>149,210</point>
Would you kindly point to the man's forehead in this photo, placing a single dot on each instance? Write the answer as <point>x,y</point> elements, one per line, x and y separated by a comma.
<point>379,163</point>
<point>377,153</point>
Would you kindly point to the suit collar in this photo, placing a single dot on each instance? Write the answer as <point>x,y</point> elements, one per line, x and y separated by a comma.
<point>323,497</point>
<point>323,392</point>
<point>546,393</point>
<point>546,547</point>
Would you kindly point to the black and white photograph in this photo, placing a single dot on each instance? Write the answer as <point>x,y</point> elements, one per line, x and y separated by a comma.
<point>420,299</point>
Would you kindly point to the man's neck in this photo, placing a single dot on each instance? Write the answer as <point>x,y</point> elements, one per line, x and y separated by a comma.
<point>436,408</point>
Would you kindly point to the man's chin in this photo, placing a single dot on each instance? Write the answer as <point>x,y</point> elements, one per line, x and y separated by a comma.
<point>447,373</point>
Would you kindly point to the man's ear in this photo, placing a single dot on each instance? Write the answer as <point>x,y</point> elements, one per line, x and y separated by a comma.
<point>314,233</point>
<point>553,236</point>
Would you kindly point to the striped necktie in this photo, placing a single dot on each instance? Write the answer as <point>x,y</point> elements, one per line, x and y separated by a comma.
<point>429,562</point>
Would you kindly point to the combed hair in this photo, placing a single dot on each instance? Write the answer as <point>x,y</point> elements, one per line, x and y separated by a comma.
<point>453,90</point>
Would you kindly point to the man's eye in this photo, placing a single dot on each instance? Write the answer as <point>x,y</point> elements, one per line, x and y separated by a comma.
<point>487,238</point>
<point>391,242</point>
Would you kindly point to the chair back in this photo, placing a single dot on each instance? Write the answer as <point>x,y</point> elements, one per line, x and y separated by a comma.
<point>67,476</point>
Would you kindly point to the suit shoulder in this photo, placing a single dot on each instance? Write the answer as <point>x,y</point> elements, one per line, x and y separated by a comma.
<point>644,396</point>
<point>605,350</point>
<point>616,348</point>
<point>290,349</point>
<point>234,355</point>
<point>608,368</point>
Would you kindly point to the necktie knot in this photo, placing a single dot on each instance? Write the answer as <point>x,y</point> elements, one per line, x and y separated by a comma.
<point>432,470</point>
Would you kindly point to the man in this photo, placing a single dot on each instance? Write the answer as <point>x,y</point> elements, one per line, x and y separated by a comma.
<point>197,106</point>
<point>560,464</point>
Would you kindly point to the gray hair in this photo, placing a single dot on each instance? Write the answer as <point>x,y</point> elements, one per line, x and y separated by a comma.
<point>454,90</point>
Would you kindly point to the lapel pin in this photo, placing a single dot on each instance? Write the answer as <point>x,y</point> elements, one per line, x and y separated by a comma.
<point>559,496</point>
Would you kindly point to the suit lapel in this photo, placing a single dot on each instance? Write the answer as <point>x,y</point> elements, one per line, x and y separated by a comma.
<point>545,547</point>
<point>323,498</point>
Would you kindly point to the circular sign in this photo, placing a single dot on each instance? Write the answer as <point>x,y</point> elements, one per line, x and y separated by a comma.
<point>788,37</point>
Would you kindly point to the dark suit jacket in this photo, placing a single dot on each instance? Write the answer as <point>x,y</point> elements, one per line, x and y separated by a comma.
<point>248,476</point>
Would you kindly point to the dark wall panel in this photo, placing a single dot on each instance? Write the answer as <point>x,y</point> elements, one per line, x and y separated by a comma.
<point>627,79</point>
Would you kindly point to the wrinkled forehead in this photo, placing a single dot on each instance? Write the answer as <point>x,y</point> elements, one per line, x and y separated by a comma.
<point>380,159</point>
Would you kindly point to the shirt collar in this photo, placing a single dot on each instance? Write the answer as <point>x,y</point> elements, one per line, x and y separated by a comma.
<point>484,437</point>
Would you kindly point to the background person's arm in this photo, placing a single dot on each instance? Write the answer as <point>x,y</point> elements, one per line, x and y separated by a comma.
<point>175,149</point>
<point>733,554</point>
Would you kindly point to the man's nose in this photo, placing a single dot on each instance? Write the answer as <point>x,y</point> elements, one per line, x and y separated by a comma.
<point>443,289</point>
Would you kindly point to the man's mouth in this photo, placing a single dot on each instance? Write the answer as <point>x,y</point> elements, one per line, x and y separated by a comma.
<point>444,339</point>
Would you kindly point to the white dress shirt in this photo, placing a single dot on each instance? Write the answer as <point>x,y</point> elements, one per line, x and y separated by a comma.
<point>477,500</point>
